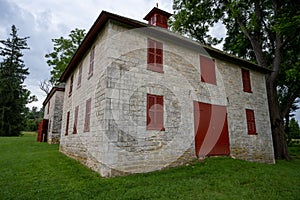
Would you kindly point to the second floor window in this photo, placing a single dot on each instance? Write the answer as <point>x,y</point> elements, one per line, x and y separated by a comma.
<point>246,80</point>
<point>79,76</point>
<point>71,85</point>
<point>155,55</point>
<point>208,71</point>
<point>92,57</point>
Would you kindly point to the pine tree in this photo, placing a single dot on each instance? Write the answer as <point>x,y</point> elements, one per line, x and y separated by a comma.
<point>13,94</point>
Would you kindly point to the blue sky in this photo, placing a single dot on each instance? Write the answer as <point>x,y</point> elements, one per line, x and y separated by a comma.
<point>43,20</point>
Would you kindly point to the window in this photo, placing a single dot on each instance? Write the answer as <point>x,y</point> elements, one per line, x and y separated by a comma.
<point>79,76</point>
<point>155,112</point>
<point>75,120</point>
<point>155,56</point>
<point>48,109</point>
<point>246,80</point>
<point>71,85</point>
<point>91,68</point>
<point>250,122</point>
<point>87,115</point>
<point>67,125</point>
<point>208,71</point>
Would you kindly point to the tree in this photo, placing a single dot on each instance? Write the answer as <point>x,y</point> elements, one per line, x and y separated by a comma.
<point>294,129</point>
<point>266,32</point>
<point>45,86</point>
<point>13,94</point>
<point>33,116</point>
<point>63,51</point>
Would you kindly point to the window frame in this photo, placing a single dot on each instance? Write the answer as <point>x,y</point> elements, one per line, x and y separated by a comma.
<point>157,112</point>
<point>208,70</point>
<point>92,62</point>
<point>48,107</point>
<point>250,119</point>
<point>87,119</point>
<point>246,79</point>
<point>75,119</point>
<point>67,124</point>
<point>79,79</point>
<point>71,85</point>
<point>155,55</point>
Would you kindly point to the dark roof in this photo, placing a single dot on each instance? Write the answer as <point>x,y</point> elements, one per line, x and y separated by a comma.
<point>164,34</point>
<point>53,90</point>
<point>157,10</point>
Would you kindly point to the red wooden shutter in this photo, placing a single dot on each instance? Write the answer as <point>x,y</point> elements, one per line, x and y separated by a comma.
<point>250,122</point>
<point>246,80</point>
<point>67,125</point>
<point>154,55</point>
<point>79,76</point>
<point>92,56</point>
<point>71,85</point>
<point>75,120</point>
<point>155,112</point>
<point>87,115</point>
<point>208,71</point>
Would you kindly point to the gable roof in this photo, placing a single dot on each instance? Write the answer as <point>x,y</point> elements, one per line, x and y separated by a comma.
<point>163,33</point>
<point>60,87</point>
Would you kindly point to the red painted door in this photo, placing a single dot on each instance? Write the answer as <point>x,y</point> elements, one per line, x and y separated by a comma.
<point>211,130</point>
<point>43,131</point>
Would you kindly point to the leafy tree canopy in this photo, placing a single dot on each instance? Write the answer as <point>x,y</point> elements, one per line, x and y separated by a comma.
<point>63,51</point>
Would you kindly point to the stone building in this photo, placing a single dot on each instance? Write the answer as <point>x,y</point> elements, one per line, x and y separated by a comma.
<point>53,106</point>
<point>140,98</point>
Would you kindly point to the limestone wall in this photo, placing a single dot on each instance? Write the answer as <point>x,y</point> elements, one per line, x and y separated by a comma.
<point>118,142</point>
<point>54,116</point>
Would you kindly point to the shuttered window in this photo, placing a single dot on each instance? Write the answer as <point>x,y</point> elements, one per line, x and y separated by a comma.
<point>250,122</point>
<point>208,71</point>
<point>155,112</point>
<point>155,55</point>
<point>71,85</point>
<point>92,57</point>
<point>48,109</point>
<point>79,76</point>
<point>75,120</point>
<point>246,80</point>
<point>67,125</point>
<point>87,115</point>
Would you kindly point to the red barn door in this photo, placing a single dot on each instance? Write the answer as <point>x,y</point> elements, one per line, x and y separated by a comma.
<point>211,130</point>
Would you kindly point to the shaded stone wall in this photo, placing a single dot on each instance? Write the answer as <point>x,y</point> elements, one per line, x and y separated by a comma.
<point>54,116</point>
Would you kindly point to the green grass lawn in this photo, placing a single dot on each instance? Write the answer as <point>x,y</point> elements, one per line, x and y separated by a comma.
<point>32,170</point>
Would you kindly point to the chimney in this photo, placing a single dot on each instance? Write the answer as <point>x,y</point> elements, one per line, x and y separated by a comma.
<point>158,17</point>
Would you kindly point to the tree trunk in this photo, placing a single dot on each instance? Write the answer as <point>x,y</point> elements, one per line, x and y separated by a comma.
<point>278,134</point>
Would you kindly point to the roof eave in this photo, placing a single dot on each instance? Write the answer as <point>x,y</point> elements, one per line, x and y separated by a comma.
<point>92,35</point>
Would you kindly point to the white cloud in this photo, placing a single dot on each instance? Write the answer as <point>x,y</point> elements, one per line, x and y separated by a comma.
<point>48,19</point>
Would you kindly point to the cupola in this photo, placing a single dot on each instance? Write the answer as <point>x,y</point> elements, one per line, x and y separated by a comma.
<point>158,17</point>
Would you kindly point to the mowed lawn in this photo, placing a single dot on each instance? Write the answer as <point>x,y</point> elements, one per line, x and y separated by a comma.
<point>31,170</point>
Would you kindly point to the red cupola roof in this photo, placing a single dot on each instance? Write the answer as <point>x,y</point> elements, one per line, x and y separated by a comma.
<point>158,17</point>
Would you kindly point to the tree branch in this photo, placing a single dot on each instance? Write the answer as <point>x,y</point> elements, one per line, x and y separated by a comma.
<point>290,102</point>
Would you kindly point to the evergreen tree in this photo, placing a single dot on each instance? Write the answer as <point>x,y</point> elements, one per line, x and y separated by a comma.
<point>13,94</point>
